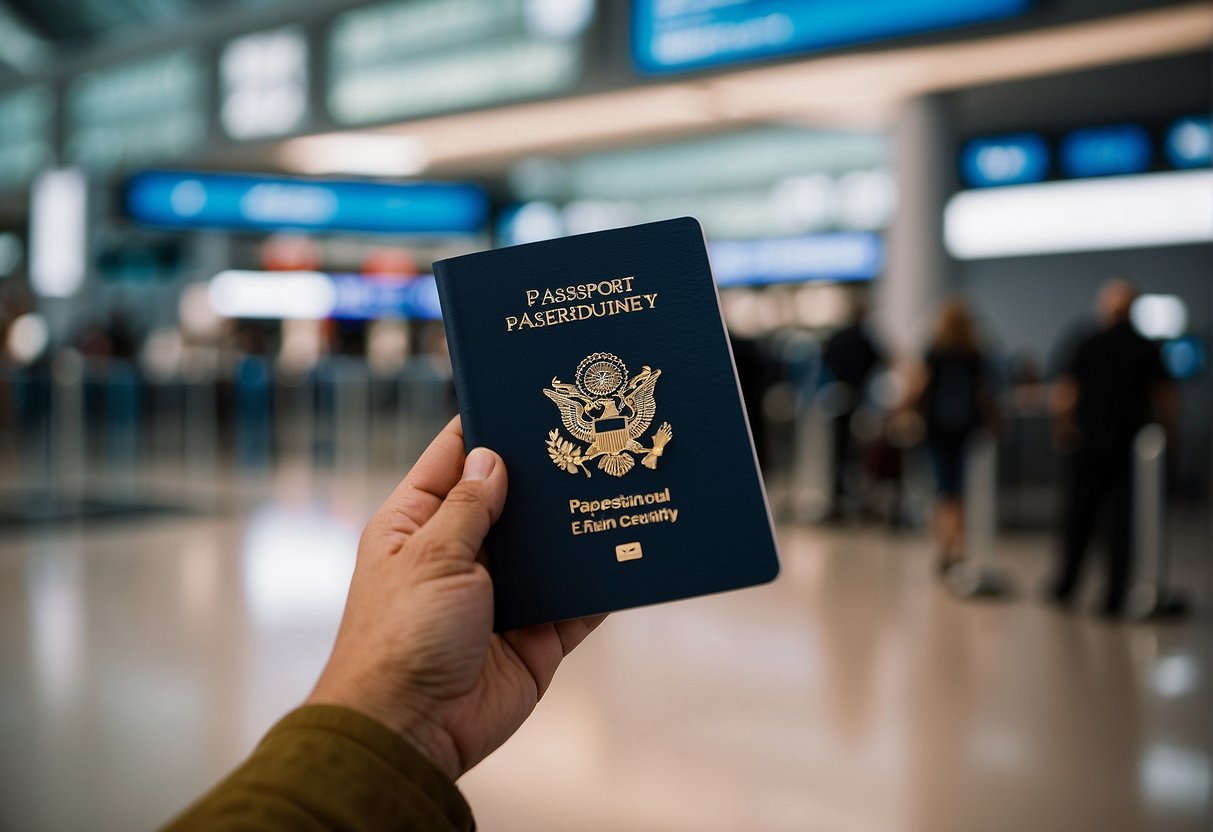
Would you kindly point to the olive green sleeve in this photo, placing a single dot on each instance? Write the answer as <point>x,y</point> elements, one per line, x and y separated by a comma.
<point>325,767</point>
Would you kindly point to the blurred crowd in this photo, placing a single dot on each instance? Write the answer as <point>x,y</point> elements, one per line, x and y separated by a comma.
<point>846,431</point>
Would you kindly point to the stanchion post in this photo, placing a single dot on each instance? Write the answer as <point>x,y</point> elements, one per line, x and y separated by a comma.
<point>1150,596</point>
<point>67,407</point>
<point>201,430</point>
<point>977,575</point>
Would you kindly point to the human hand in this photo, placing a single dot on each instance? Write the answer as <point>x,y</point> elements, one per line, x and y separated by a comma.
<point>415,649</point>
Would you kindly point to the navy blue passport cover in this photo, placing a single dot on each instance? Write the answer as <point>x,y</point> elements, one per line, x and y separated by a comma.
<point>598,367</point>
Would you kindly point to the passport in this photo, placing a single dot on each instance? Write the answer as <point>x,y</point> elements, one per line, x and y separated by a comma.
<point>599,368</point>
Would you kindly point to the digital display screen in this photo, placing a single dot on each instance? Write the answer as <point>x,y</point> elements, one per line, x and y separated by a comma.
<point>1112,150</point>
<point>204,200</point>
<point>264,83</point>
<point>407,58</point>
<point>1126,149</point>
<point>673,35</point>
<point>137,113</point>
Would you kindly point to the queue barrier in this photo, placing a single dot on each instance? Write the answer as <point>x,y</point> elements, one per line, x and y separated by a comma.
<point>1151,596</point>
<point>978,576</point>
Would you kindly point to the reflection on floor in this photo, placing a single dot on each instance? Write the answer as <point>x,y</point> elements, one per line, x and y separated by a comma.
<point>140,659</point>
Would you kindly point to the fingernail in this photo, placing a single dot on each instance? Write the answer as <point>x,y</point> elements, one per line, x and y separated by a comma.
<point>479,464</point>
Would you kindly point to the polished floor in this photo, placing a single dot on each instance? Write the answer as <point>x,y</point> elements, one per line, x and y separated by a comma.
<point>141,658</point>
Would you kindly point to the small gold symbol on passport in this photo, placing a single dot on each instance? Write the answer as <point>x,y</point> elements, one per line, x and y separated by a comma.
<point>609,411</point>
<point>628,551</point>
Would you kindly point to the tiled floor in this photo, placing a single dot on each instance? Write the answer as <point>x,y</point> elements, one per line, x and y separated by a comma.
<point>140,660</point>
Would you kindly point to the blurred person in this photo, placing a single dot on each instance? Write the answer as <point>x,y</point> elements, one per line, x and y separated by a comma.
<point>125,335</point>
<point>951,390</point>
<point>755,374</point>
<point>435,358</point>
<point>884,461</point>
<point>1112,384</point>
<point>850,356</point>
<point>93,342</point>
<point>15,301</point>
<point>252,395</point>
<point>418,688</point>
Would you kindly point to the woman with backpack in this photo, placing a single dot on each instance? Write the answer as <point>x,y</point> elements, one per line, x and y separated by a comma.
<point>952,392</point>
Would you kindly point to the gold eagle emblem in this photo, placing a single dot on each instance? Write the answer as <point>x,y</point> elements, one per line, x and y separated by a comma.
<point>610,412</point>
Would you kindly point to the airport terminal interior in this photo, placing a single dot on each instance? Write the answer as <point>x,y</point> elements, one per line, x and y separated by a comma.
<point>222,346</point>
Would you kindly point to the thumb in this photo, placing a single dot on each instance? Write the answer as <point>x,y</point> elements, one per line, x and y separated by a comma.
<point>456,531</point>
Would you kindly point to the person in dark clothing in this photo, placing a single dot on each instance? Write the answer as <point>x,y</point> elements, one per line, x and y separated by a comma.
<point>953,394</point>
<point>849,357</point>
<point>755,376</point>
<point>1112,385</point>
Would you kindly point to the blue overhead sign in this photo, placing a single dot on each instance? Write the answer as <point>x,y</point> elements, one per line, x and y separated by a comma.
<point>1014,159</point>
<point>1112,150</point>
<point>672,35</point>
<point>837,255</point>
<point>227,201</point>
<point>1125,149</point>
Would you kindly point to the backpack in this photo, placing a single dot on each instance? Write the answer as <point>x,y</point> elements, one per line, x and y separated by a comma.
<point>952,398</point>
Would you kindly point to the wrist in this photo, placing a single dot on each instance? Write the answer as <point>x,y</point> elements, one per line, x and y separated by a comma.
<point>405,719</point>
<point>428,737</point>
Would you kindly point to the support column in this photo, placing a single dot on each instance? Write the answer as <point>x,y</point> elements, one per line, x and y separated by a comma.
<point>918,271</point>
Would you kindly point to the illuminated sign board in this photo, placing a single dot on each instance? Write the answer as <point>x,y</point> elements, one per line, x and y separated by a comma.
<point>58,233</point>
<point>672,35</point>
<point>1127,149</point>
<point>415,57</point>
<point>839,255</point>
<point>1095,214</point>
<point>1014,159</point>
<point>139,112</point>
<point>237,293</point>
<point>263,78</point>
<point>358,298</point>
<point>1110,150</point>
<point>203,200</point>
<point>26,118</point>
